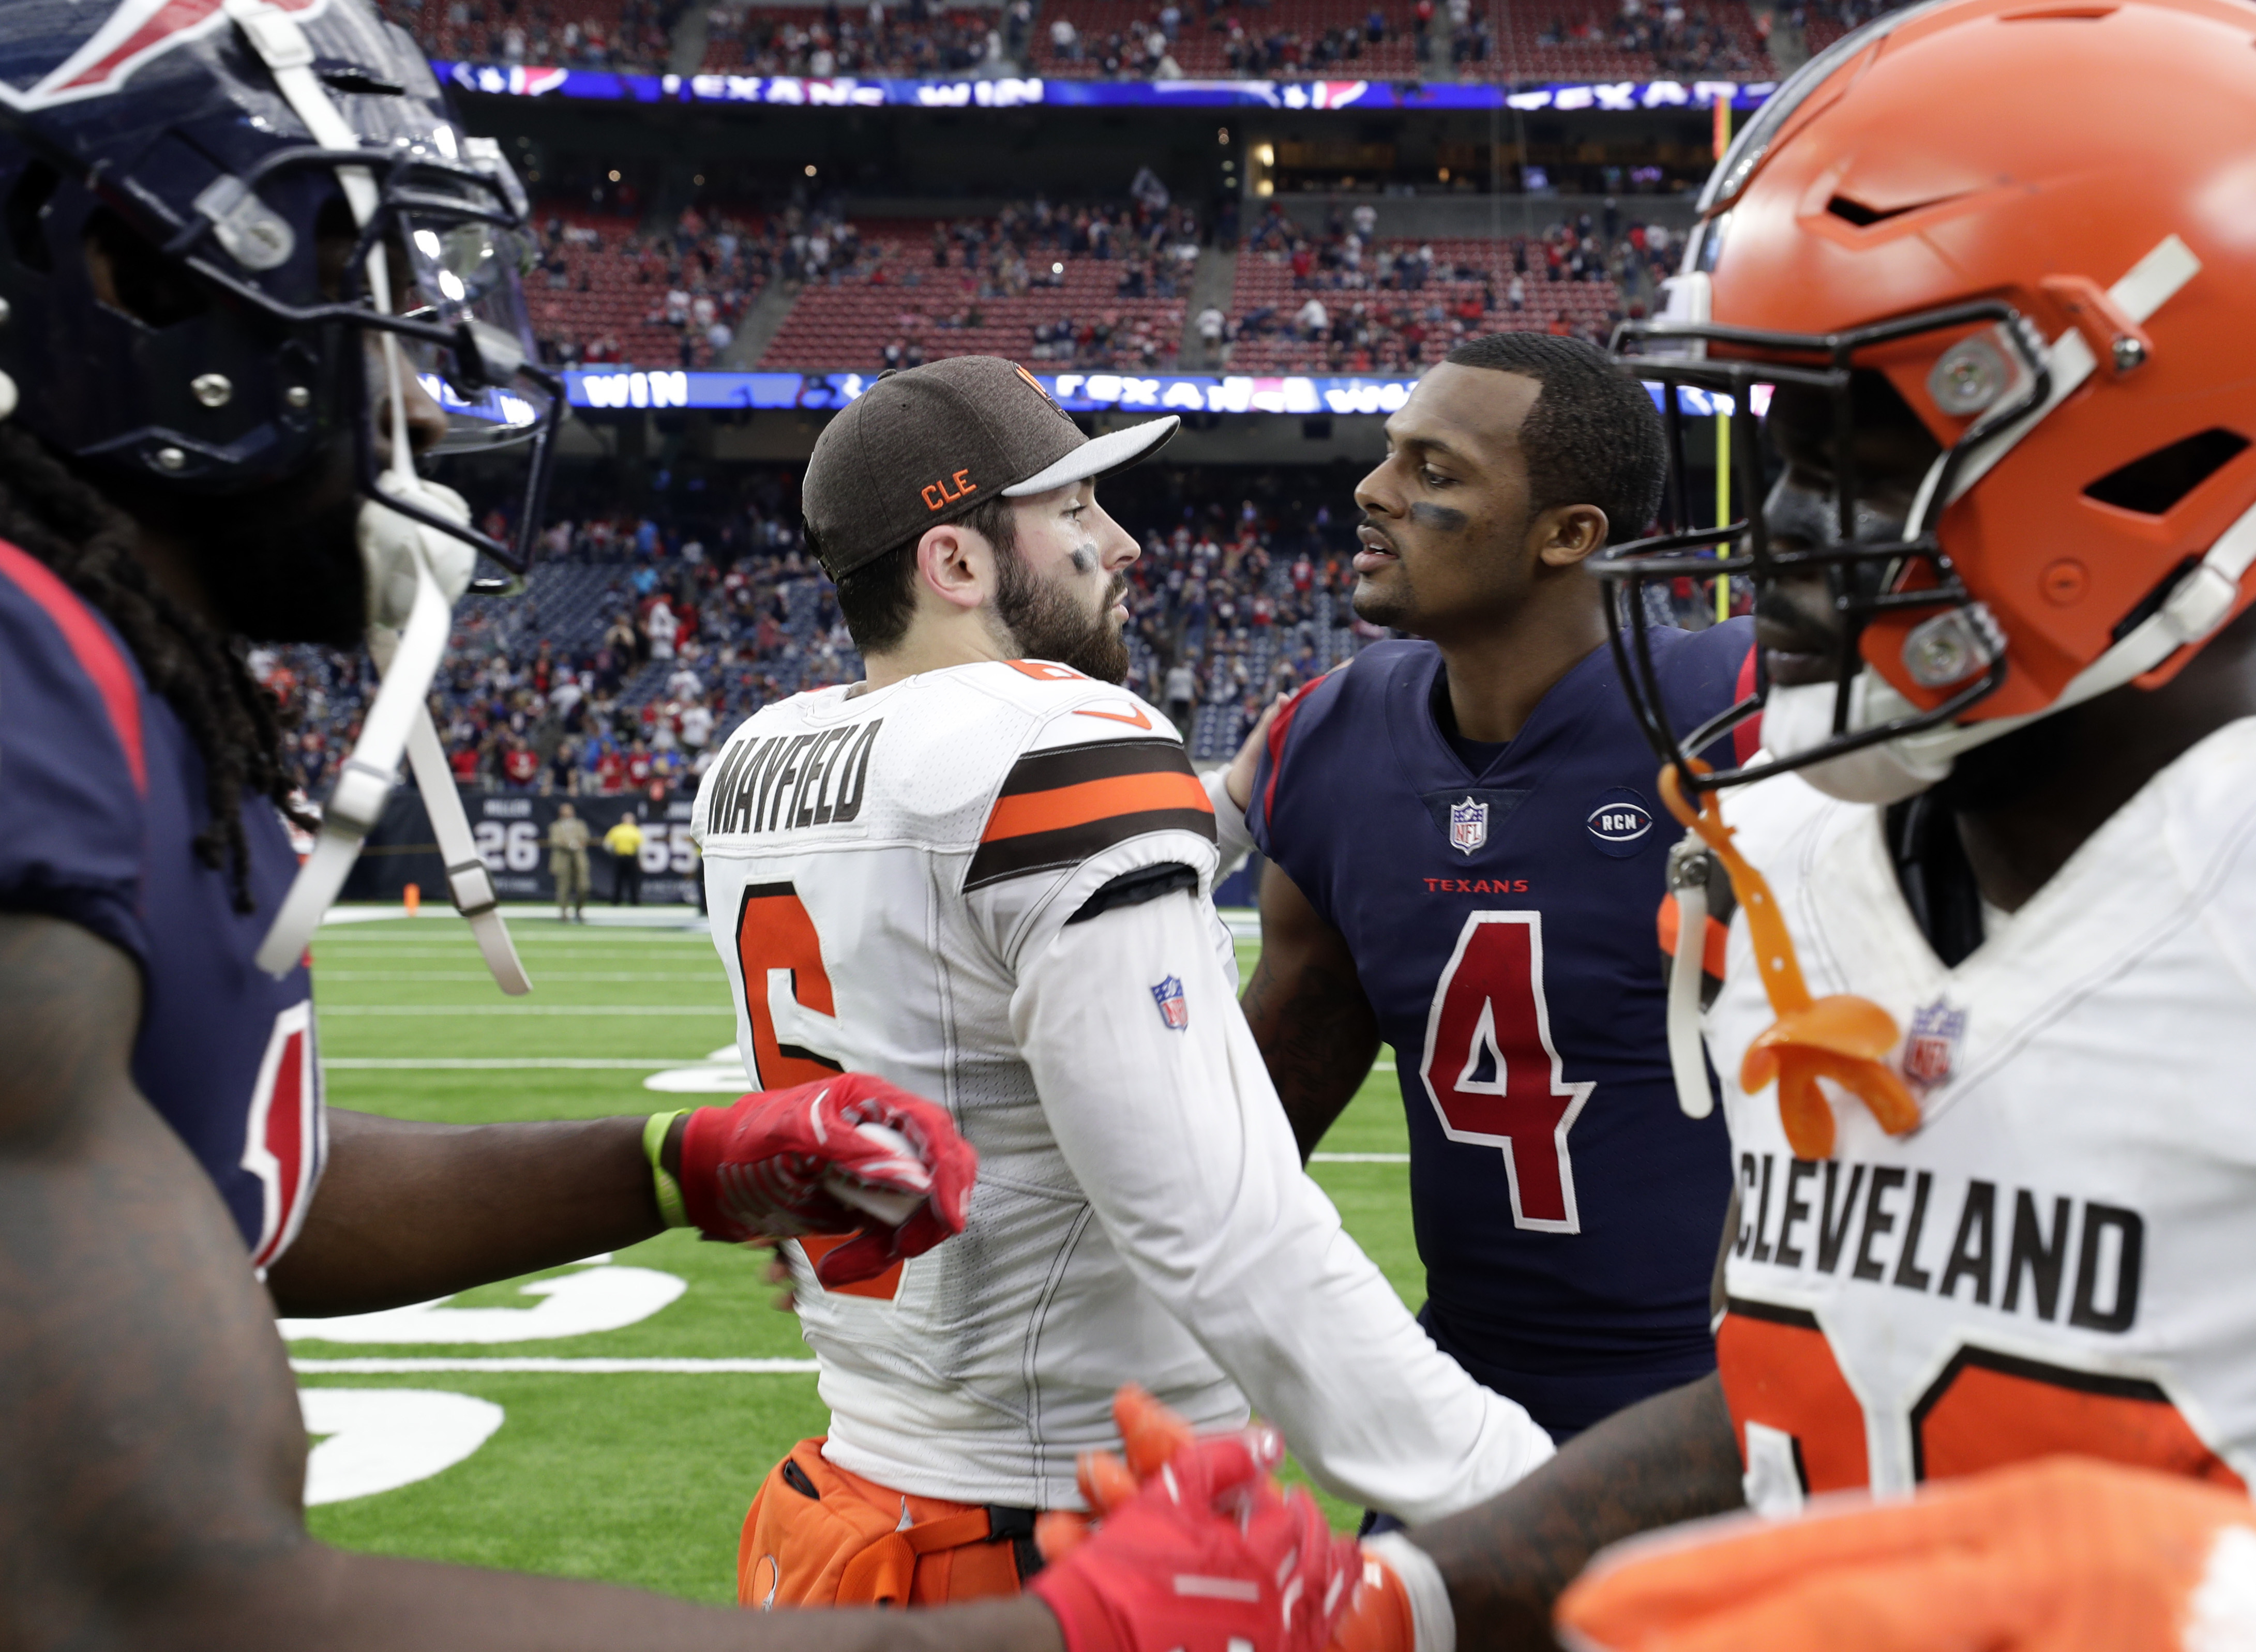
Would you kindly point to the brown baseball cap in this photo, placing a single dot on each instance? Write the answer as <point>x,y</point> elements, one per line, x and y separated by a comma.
<point>928,445</point>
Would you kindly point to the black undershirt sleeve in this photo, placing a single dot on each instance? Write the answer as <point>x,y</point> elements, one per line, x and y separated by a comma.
<point>1133,888</point>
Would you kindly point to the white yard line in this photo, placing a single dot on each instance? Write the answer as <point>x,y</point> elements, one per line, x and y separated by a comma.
<point>501,1063</point>
<point>1349,1158</point>
<point>526,1009</point>
<point>703,977</point>
<point>563,1368</point>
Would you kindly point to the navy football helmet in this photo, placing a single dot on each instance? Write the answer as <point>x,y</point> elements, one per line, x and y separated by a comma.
<point>190,193</point>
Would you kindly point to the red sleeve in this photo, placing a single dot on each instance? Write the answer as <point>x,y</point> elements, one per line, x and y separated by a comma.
<point>1747,737</point>
<point>1273,761</point>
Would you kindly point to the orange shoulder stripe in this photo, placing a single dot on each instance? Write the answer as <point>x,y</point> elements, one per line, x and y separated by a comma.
<point>1066,807</point>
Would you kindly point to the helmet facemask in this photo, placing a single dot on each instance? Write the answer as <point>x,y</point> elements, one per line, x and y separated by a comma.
<point>1888,579</point>
<point>433,275</point>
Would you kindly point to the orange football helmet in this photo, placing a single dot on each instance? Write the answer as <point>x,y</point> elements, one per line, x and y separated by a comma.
<point>2037,219</point>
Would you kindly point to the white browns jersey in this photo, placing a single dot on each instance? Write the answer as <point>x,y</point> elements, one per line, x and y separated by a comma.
<point>900,883</point>
<point>2057,1259</point>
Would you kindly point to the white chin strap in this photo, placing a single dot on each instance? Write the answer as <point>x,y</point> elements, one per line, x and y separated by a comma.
<point>415,575</point>
<point>1796,719</point>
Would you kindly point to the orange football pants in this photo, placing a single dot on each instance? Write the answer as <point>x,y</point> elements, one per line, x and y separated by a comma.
<point>818,1535</point>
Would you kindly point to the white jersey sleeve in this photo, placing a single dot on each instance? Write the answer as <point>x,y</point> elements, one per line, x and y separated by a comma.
<point>1165,1113</point>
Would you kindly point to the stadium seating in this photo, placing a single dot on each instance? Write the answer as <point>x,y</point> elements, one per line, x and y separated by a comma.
<point>1286,38</point>
<point>593,33</point>
<point>849,325</point>
<point>1529,40</point>
<point>614,291</point>
<point>807,40</point>
<point>1583,40</point>
<point>1264,282</point>
<point>1824,24</point>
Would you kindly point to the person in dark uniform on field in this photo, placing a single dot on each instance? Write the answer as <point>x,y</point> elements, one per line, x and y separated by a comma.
<point>1502,942</point>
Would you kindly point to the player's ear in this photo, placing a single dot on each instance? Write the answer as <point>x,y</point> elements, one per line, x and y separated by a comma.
<point>953,564</point>
<point>1567,534</point>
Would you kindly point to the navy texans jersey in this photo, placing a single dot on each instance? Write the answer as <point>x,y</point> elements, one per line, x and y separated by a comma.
<point>102,795</point>
<point>1502,929</point>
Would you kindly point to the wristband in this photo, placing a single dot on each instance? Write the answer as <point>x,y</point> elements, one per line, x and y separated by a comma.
<point>671,1211</point>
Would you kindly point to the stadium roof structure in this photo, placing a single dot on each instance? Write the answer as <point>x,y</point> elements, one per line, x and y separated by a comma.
<point>1012,93</point>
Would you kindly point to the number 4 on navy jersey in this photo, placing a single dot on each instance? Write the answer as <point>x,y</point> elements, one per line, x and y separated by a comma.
<point>1491,1069</point>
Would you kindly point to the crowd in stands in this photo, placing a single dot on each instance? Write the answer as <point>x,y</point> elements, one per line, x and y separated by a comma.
<point>636,647</point>
<point>911,39</point>
<point>1681,40</point>
<point>606,290</point>
<point>1343,299</point>
<point>632,652</point>
<point>1255,39</point>
<point>596,34</point>
<point>1098,285</point>
<point>1823,22</point>
<point>1227,40</point>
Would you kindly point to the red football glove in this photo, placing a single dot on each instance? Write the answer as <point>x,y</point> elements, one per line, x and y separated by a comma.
<point>816,1159</point>
<point>1208,1554</point>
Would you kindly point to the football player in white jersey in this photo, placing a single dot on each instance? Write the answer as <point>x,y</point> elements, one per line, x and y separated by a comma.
<point>1984,1032</point>
<point>984,873</point>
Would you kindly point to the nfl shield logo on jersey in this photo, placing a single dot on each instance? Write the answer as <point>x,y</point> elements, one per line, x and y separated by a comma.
<point>1932,1043</point>
<point>1174,1009</point>
<point>1468,825</point>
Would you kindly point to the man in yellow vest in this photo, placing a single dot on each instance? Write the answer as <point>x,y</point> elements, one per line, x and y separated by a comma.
<point>625,842</point>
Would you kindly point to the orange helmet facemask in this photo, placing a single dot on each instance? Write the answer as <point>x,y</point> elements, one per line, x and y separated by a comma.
<point>2037,223</point>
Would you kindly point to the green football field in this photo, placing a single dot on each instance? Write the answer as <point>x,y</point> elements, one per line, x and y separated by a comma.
<point>610,1419</point>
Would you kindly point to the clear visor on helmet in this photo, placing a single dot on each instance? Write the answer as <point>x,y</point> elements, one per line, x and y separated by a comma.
<point>466,277</point>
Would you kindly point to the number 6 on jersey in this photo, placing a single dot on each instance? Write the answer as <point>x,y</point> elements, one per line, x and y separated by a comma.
<point>786,989</point>
<point>1492,1071</point>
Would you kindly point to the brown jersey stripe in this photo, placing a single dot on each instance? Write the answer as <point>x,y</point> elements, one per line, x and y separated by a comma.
<point>1098,760</point>
<point>1001,858</point>
<point>1064,807</point>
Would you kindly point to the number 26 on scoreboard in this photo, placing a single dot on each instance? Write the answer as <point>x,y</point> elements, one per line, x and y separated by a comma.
<point>1491,1069</point>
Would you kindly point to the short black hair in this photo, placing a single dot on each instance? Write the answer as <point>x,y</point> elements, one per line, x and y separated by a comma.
<point>879,599</point>
<point>1593,437</point>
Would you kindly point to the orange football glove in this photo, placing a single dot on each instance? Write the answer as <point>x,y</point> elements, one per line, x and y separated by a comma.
<point>1196,1547</point>
<point>2064,1555</point>
<point>1150,1433</point>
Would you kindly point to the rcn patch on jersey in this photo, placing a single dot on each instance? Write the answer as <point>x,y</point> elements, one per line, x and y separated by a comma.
<point>1619,823</point>
<point>1174,1009</point>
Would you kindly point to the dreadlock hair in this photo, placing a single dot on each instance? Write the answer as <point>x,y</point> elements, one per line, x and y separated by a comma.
<point>53,515</point>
